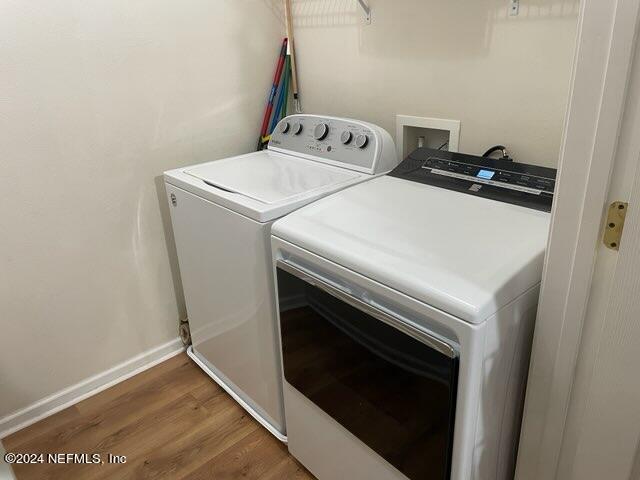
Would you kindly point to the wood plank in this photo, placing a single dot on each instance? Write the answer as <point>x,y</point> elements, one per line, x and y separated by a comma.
<point>58,420</point>
<point>250,458</point>
<point>28,434</point>
<point>187,453</point>
<point>290,469</point>
<point>171,421</point>
<point>124,409</point>
<point>133,440</point>
<point>207,391</point>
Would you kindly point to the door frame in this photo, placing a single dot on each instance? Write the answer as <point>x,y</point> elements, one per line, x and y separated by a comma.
<point>605,46</point>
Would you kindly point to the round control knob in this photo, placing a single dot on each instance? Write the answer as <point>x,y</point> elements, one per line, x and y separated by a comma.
<point>297,128</point>
<point>283,127</point>
<point>362,140</point>
<point>346,136</point>
<point>321,131</point>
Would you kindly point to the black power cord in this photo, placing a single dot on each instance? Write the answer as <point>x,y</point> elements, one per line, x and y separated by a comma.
<point>498,148</point>
<point>443,145</point>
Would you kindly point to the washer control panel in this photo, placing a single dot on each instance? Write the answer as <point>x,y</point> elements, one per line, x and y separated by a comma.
<point>337,140</point>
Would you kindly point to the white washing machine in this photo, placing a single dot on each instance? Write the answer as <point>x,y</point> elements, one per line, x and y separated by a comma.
<point>222,213</point>
<point>406,310</point>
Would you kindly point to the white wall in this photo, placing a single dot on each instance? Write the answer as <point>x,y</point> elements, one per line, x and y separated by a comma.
<point>506,78</point>
<point>97,99</point>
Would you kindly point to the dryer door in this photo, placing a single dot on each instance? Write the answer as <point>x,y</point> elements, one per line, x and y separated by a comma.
<point>389,383</point>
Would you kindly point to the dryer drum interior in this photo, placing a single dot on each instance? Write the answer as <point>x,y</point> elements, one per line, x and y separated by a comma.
<point>393,390</point>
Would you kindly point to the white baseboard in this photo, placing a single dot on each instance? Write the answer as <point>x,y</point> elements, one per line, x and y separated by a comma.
<point>86,388</point>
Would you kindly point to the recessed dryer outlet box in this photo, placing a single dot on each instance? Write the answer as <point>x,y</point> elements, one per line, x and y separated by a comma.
<point>412,132</point>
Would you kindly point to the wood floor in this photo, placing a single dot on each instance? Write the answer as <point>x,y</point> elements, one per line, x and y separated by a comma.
<point>171,421</point>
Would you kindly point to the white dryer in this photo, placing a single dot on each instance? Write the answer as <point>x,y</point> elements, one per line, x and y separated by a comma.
<point>222,213</point>
<point>406,312</point>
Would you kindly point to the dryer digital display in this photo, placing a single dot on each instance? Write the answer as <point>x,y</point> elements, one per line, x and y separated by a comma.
<point>486,174</point>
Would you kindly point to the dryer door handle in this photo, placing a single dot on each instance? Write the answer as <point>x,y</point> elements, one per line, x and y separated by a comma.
<point>371,307</point>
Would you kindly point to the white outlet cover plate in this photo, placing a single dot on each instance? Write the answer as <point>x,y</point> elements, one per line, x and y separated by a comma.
<point>451,126</point>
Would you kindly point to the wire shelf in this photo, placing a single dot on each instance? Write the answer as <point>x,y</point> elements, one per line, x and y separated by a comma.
<point>323,13</point>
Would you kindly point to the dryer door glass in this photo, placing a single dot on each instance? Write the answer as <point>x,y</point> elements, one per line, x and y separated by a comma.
<point>393,389</point>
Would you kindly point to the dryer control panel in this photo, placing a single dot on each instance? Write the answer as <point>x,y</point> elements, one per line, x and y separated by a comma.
<point>511,182</point>
<point>344,142</point>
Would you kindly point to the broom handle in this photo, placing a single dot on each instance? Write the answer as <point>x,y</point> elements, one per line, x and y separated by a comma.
<point>292,52</point>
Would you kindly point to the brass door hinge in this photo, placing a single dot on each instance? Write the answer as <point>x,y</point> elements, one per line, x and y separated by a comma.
<point>615,223</point>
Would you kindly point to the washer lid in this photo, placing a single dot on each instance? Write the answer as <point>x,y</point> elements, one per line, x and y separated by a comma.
<point>270,178</point>
<point>465,255</point>
<point>263,185</point>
